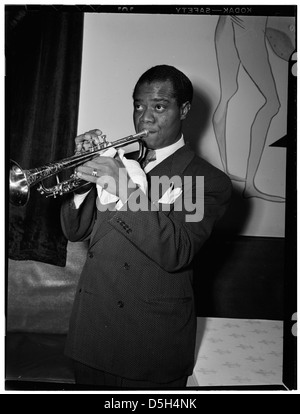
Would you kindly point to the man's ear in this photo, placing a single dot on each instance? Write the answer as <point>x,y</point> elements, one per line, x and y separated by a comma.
<point>184,110</point>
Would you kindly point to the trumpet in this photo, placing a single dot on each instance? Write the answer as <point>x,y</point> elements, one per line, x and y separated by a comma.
<point>21,181</point>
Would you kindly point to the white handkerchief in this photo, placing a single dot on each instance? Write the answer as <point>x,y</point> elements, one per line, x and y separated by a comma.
<point>170,196</point>
<point>135,172</point>
<point>104,196</point>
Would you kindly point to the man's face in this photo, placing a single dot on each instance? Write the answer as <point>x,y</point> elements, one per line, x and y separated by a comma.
<point>156,110</point>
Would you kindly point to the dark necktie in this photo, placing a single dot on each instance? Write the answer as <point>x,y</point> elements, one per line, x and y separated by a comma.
<point>150,156</point>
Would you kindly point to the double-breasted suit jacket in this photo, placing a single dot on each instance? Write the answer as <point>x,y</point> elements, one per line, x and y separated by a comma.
<point>133,313</point>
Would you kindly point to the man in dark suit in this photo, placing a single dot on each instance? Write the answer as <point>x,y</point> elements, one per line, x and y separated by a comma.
<point>133,323</point>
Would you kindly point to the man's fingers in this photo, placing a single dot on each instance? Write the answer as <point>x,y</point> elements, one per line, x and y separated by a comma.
<point>89,139</point>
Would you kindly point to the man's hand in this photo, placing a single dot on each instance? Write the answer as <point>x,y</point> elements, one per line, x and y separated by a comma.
<point>83,143</point>
<point>89,139</point>
<point>110,174</point>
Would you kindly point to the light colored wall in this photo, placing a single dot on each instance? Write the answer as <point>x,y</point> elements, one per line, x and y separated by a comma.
<point>119,48</point>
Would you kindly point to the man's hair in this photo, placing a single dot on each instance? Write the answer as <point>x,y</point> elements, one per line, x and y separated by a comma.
<point>182,86</point>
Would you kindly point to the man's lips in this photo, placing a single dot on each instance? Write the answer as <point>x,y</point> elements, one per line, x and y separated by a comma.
<point>149,130</point>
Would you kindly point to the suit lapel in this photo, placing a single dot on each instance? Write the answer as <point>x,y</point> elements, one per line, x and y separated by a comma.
<point>180,160</point>
<point>175,164</point>
<point>172,166</point>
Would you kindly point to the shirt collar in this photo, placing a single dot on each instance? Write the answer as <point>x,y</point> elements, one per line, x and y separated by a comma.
<point>162,153</point>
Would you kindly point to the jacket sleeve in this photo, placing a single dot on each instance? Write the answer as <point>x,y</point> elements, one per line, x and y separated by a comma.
<point>77,224</point>
<point>169,239</point>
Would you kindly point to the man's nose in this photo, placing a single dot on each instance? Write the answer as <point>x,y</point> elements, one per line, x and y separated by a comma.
<point>147,115</point>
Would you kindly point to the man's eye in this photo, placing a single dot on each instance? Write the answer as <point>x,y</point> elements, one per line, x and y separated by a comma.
<point>160,108</point>
<point>138,107</point>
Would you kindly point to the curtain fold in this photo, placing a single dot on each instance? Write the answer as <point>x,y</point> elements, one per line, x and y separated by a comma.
<point>43,69</point>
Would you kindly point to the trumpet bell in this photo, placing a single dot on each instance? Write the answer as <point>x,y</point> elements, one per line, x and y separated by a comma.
<point>19,189</point>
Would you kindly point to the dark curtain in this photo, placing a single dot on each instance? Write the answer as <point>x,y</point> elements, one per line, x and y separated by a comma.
<point>43,68</point>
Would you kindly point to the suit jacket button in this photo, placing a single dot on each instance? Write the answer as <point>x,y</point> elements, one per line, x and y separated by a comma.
<point>91,255</point>
<point>121,304</point>
<point>126,266</point>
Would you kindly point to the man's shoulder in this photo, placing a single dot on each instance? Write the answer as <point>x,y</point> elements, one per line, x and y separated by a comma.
<point>200,163</point>
<point>200,166</point>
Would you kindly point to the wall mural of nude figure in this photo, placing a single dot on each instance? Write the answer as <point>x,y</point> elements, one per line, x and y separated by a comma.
<point>242,42</point>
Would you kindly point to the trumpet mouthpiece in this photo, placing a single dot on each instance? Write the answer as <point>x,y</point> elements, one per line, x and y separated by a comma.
<point>144,133</point>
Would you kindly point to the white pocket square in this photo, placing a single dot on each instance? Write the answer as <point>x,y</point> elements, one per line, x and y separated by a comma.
<point>170,196</point>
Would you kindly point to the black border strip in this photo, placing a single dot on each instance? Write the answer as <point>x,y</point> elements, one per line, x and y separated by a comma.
<point>185,9</point>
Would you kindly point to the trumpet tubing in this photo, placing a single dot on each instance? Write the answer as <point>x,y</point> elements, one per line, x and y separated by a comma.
<point>22,180</point>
